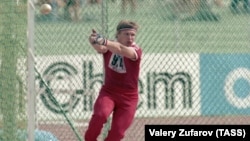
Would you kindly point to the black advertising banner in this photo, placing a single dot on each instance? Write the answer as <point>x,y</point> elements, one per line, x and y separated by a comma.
<point>184,132</point>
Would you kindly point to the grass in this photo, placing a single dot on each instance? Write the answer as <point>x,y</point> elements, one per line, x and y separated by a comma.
<point>157,34</point>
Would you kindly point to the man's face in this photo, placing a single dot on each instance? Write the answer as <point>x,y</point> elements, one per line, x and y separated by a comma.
<point>126,37</point>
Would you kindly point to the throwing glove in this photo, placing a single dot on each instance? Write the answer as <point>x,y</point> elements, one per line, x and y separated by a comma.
<point>100,40</point>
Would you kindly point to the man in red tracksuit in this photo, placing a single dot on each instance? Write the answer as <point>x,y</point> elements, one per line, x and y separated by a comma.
<point>119,94</point>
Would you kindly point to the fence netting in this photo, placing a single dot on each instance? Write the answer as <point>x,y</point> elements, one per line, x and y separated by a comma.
<point>195,67</point>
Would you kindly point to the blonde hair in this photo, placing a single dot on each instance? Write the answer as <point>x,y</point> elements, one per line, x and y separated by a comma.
<point>126,24</point>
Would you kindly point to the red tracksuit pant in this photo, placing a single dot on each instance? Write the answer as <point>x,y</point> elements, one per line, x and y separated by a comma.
<point>123,107</point>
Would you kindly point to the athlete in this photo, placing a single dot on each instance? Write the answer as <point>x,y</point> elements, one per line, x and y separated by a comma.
<point>118,95</point>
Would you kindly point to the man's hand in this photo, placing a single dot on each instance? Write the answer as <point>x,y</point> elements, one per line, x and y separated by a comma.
<point>100,40</point>
<point>96,38</point>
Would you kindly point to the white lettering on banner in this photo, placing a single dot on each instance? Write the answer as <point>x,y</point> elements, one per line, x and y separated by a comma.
<point>232,77</point>
<point>168,85</point>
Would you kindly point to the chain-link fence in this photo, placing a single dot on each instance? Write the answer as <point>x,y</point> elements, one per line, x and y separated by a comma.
<point>195,67</point>
<point>13,23</point>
